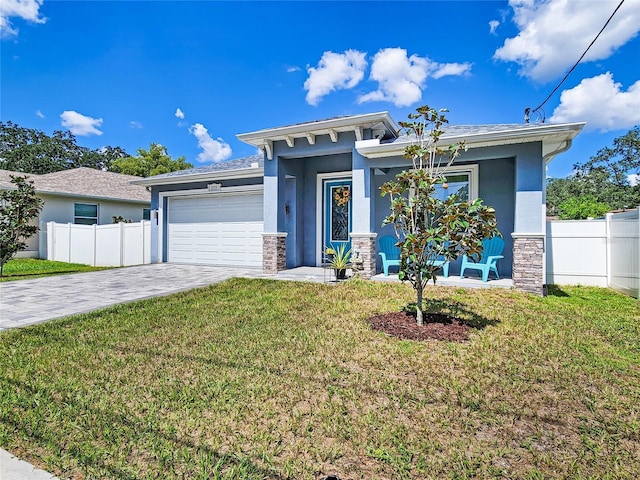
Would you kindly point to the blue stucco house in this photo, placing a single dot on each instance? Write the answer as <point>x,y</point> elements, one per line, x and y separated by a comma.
<point>276,210</point>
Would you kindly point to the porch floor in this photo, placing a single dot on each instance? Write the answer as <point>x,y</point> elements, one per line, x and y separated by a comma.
<point>319,274</point>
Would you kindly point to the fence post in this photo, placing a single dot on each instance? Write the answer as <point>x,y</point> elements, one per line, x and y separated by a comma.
<point>607,233</point>
<point>95,240</point>
<point>51,233</point>
<point>122,245</point>
<point>70,234</point>
<point>638,253</point>
<point>144,245</point>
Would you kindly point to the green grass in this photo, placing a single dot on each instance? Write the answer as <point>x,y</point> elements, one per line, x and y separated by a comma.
<point>254,379</point>
<point>25,268</point>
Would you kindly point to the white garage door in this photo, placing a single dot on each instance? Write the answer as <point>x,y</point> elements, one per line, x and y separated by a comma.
<point>223,229</point>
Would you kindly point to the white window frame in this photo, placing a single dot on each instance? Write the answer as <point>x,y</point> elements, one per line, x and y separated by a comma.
<point>472,171</point>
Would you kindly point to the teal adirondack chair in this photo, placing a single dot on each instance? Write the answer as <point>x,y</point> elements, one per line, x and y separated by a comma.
<point>391,256</point>
<point>389,252</point>
<point>491,252</point>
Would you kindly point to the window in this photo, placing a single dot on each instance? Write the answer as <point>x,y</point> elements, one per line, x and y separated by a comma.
<point>85,213</point>
<point>462,181</point>
<point>146,214</point>
<point>457,185</point>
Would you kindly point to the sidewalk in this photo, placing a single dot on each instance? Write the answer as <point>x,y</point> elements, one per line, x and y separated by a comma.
<point>12,468</point>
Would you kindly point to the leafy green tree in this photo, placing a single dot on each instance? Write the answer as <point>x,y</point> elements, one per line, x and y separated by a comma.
<point>578,208</point>
<point>618,161</point>
<point>605,177</point>
<point>32,151</point>
<point>155,161</point>
<point>427,228</point>
<point>18,207</point>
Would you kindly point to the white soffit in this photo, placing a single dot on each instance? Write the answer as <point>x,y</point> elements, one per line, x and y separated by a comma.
<point>553,138</point>
<point>380,122</point>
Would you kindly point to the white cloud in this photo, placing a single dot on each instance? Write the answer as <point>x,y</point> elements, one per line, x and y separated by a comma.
<point>601,103</point>
<point>401,79</point>
<point>39,114</point>
<point>25,9</point>
<point>213,150</point>
<point>446,69</point>
<point>554,33</point>
<point>135,124</point>
<point>334,71</point>
<point>79,124</point>
<point>634,179</point>
<point>179,113</point>
<point>293,69</point>
<point>493,25</point>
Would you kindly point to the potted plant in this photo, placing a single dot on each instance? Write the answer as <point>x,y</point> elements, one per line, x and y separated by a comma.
<point>341,260</point>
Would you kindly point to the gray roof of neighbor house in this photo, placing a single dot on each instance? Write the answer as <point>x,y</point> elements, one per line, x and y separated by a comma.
<point>83,182</point>
<point>252,166</point>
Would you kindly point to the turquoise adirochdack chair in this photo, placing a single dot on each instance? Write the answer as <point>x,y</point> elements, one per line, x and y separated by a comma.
<point>389,252</point>
<point>391,256</point>
<point>491,252</point>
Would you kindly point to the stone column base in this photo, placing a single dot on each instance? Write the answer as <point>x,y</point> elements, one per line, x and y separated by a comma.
<point>528,263</point>
<point>365,243</point>
<point>274,252</point>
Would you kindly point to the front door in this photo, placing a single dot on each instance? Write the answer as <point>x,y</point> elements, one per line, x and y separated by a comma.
<point>337,213</point>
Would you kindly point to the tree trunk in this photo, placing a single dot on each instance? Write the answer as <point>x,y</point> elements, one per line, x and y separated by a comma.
<point>419,317</point>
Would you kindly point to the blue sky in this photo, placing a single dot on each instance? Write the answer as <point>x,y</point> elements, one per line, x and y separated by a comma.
<point>192,75</point>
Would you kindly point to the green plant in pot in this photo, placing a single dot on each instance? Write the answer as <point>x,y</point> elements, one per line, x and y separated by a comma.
<point>341,259</point>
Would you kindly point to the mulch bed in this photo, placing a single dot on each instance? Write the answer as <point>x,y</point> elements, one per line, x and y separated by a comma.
<point>437,326</point>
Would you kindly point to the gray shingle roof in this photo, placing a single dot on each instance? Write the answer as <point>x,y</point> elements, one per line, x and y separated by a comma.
<point>85,182</point>
<point>462,130</point>
<point>229,165</point>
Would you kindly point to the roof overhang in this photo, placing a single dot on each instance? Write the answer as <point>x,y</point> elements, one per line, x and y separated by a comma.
<point>201,177</point>
<point>381,123</point>
<point>555,139</point>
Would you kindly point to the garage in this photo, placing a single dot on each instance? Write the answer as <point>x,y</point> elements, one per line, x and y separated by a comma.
<point>216,229</point>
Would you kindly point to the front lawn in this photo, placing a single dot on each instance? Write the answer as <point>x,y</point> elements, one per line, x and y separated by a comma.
<point>255,379</point>
<point>25,268</point>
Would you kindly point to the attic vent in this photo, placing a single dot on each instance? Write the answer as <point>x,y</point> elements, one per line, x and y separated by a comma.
<point>214,187</point>
<point>255,165</point>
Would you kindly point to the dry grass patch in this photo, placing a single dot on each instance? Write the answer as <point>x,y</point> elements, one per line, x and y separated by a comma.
<point>261,379</point>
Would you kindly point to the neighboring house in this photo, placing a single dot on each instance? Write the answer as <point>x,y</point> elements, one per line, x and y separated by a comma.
<point>277,209</point>
<point>82,196</point>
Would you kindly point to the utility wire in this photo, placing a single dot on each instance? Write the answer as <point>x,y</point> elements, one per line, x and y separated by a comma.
<point>528,110</point>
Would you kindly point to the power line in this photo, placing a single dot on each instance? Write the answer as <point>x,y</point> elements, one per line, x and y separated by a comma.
<point>528,111</point>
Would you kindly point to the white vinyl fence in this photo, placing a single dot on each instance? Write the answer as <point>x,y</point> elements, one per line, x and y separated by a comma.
<point>115,245</point>
<point>603,252</point>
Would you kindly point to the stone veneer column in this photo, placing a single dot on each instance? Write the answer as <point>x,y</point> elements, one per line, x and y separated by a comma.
<point>528,263</point>
<point>274,252</point>
<point>366,244</point>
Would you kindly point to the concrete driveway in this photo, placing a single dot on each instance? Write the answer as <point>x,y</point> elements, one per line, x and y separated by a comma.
<point>25,302</point>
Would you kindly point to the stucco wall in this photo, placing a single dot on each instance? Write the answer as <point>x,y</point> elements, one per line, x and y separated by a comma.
<point>496,188</point>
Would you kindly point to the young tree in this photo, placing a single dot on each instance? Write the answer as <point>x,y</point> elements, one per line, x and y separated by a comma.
<point>155,161</point>
<point>17,208</point>
<point>429,229</point>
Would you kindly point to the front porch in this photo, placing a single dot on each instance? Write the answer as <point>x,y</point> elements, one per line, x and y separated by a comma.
<point>321,275</point>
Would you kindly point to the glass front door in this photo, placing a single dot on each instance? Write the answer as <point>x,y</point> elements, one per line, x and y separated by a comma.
<point>337,213</point>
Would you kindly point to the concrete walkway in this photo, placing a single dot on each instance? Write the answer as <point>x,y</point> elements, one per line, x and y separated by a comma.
<point>12,468</point>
